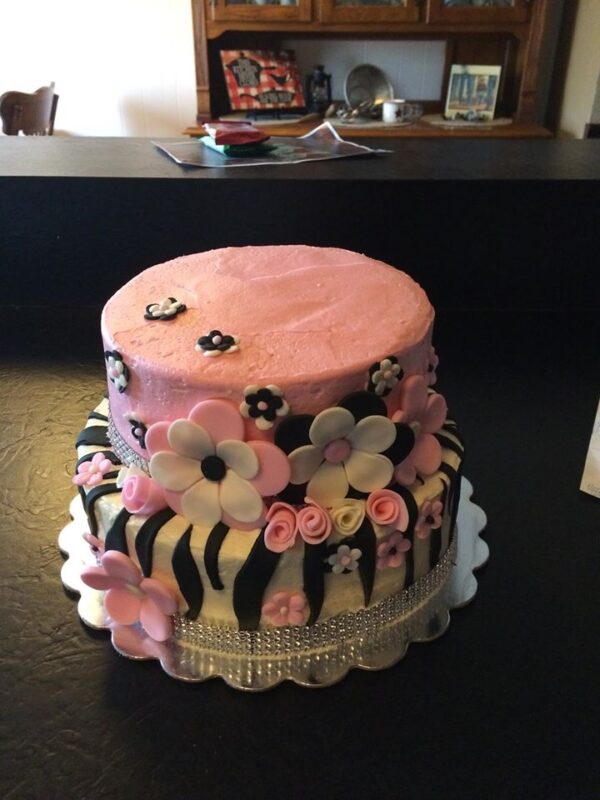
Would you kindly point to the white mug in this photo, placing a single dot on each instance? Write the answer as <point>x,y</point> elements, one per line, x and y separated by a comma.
<point>400,111</point>
<point>392,110</point>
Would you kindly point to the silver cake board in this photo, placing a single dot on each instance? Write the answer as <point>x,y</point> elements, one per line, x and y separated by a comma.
<point>371,639</point>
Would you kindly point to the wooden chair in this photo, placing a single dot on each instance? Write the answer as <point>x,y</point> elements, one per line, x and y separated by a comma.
<point>31,113</point>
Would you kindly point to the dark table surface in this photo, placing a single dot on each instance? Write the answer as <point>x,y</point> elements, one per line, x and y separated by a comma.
<point>504,236</point>
<point>504,705</point>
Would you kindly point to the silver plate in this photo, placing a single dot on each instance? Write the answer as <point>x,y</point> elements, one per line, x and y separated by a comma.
<point>367,84</point>
<point>315,656</point>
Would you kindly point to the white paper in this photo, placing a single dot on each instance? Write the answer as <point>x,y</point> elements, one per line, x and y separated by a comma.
<point>590,481</point>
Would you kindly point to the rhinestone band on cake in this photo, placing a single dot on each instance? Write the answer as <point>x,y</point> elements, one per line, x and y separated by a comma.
<point>126,455</point>
<point>333,632</point>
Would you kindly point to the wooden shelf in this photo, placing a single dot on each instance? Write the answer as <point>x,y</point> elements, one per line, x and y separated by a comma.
<point>417,131</point>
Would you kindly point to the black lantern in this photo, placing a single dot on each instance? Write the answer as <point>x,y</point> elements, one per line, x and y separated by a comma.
<point>318,90</point>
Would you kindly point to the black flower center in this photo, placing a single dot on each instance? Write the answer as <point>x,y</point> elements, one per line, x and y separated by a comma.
<point>393,551</point>
<point>213,468</point>
<point>429,519</point>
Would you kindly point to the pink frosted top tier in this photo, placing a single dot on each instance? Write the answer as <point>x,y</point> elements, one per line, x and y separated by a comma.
<point>310,320</point>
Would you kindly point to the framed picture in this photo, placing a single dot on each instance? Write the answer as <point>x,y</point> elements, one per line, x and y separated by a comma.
<point>472,92</point>
<point>262,79</point>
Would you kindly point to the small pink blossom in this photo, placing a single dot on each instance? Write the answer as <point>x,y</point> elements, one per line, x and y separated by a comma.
<point>430,518</point>
<point>390,552</point>
<point>314,523</point>
<point>91,473</point>
<point>142,495</point>
<point>286,608</point>
<point>130,597</point>
<point>385,507</point>
<point>96,544</point>
<point>280,533</point>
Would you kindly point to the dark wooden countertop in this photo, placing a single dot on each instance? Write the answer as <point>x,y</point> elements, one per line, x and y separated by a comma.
<point>411,159</point>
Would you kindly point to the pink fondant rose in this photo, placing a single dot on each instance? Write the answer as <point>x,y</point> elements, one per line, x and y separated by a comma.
<point>425,413</point>
<point>390,552</point>
<point>91,473</point>
<point>387,508</point>
<point>142,495</point>
<point>207,470</point>
<point>286,608</point>
<point>430,518</point>
<point>280,533</point>
<point>130,597</point>
<point>314,523</point>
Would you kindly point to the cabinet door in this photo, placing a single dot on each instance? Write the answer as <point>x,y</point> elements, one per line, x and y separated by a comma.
<point>259,10</point>
<point>369,10</point>
<point>482,11</point>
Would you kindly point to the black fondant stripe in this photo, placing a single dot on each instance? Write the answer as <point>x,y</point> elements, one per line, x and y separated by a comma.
<point>455,500</point>
<point>450,427</point>
<point>211,554</point>
<point>105,453</point>
<point>92,498</point>
<point>144,541</point>
<point>187,575</point>
<point>314,578</point>
<point>449,471</point>
<point>250,583</point>
<point>97,415</point>
<point>93,435</point>
<point>366,542</point>
<point>413,516</point>
<point>450,444</point>
<point>435,539</point>
<point>116,538</point>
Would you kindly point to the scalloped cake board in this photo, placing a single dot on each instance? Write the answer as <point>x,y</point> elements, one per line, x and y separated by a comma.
<point>324,667</point>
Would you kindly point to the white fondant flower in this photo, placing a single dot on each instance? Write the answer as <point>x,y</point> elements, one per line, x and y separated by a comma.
<point>167,309</point>
<point>343,453</point>
<point>209,472</point>
<point>116,369</point>
<point>347,516</point>
<point>344,560</point>
<point>263,405</point>
<point>385,375</point>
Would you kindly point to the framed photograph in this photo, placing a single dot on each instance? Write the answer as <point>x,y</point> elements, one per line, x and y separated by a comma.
<point>262,79</point>
<point>472,92</point>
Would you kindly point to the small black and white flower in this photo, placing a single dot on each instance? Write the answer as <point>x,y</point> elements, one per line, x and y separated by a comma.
<point>138,429</point>
<point>216,343</point>
<point>384,375</point>
<point>117,369</point>
<point>263,405</point>
<point>166,309</point>
<point>343,559</point>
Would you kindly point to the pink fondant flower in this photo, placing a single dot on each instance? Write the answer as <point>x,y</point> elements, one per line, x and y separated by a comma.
<point>425,412</point>
<point>387,508</point>
<point>96,544</point>
<point>209,473</point>
<point>429,519</point>
<point>314,523</point>
<point>130,597</point>
<point>285,608</point>
<point>390,552</point>
<point>91,473</point>
<point>432,364</point>
<point>282,526</point>
<point>142,495</point>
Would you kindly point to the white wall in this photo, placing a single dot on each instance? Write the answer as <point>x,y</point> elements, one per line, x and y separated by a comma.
<point>121,67</point>
<point>582,72</point>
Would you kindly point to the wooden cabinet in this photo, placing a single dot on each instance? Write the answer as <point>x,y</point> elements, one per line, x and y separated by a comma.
<point>470,12</point>
<point>259,12</point>
<point>519,35</point>
<point>371,11</point>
